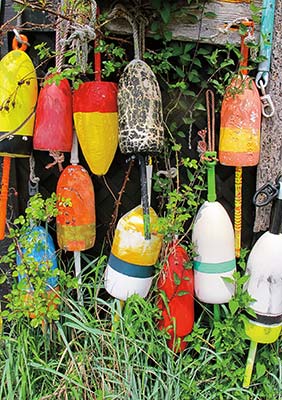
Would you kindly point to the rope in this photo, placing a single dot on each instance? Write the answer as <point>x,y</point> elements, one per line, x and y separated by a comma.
<point>119,11</point>
<point>59,158</point>
<point>82,33</point>
<point>33,179</point>
<point>210,119</point>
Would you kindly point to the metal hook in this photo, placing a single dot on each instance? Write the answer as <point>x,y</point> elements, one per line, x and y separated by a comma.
<point>268,108</point>
<point>265,194</point>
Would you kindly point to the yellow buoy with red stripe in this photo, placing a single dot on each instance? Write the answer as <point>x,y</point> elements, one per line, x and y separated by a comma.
<point>130,268</point>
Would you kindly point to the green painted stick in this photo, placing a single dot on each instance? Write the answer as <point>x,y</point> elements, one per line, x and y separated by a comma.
<point>250,364</point>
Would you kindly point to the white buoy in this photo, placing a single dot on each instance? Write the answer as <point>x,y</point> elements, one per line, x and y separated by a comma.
<point>130,267</point>
<point>264,267</point>
<point>213,237</point>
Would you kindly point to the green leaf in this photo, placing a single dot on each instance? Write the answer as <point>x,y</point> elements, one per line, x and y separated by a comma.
<point>260,369</point>
<point>210,14</point>
<point>165,13</point>
<point>181,134</point>
<point>182,293</point>
<point>233,306</point>
<point>176,279</point>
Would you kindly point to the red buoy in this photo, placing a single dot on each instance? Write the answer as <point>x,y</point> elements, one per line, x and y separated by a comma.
<point>53,122</point>
<point>176,281</point>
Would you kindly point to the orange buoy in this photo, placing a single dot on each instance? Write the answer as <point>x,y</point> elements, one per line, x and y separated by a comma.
<point>239,141</point>
<point>53,122</point>
<point>76,220</point>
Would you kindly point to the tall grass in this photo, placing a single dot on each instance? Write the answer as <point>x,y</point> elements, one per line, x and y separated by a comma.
<point>99,351</point>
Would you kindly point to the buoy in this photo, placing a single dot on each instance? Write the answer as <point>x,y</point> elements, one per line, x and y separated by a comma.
<point>53,122</point>
<point>265,278</point>
<point>141,131</point>
<point>96,120</point>
<point>140,110</point>
<point>176,283</point>
<point>213,235</point>
<point>76,221</point>
<point>130,267</point>
<point>39,247</point>
<point>18,96</point>
<point>239,141</point>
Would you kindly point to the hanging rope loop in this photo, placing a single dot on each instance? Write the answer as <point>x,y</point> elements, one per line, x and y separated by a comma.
<point>82,32</point>
<point>138,29</point>
<point>209,156</point>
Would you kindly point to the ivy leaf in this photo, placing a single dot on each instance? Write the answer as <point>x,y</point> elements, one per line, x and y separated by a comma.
<point>165,13</point>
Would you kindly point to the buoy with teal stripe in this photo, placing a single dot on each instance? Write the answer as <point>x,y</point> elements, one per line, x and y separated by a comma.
<point>213,239</point>
<point>130,268</point>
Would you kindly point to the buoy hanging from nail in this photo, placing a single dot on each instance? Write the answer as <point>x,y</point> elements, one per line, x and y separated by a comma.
<point>18,96</point>
<point>96,119</point>
<point>264,285</point>
<point>53,123</point>
<point>239,142</point>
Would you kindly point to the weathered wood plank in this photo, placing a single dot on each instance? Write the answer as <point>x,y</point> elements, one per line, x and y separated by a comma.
<point>208,30</point>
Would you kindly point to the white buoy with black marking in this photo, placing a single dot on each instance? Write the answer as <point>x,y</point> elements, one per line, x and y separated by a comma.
<point>264,268</point>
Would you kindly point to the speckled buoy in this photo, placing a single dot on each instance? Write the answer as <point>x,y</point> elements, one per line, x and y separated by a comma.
<point>140,110</point>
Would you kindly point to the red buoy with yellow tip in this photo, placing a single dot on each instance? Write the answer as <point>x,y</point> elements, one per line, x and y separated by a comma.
<point>96,120</point>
